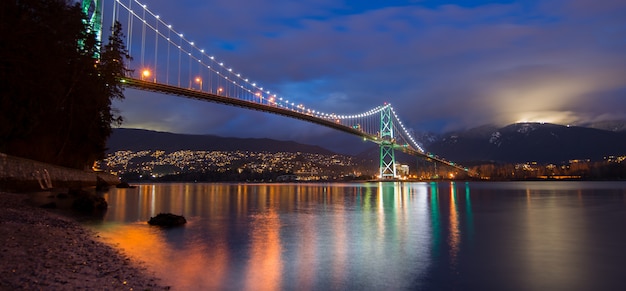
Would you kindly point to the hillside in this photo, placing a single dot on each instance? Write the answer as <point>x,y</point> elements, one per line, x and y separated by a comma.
<point>139,139</point>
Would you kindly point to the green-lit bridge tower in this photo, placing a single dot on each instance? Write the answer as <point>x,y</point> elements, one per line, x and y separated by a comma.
<point>93,10</point>
<point>387,156</point>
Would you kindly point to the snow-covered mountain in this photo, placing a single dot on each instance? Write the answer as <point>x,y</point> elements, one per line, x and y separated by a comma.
<point>523,142</point>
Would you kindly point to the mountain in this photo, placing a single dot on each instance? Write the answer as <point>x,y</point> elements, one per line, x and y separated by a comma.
<point>612,125</point>
<point>520,142</point>
<point>139,139</point>
<point>524,142</point>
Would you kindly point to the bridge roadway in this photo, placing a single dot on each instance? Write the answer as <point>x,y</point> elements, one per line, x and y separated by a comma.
<point>206,96</point>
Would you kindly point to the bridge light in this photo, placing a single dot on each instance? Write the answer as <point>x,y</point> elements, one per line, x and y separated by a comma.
<point>212,57</point>
<point>202,50</point>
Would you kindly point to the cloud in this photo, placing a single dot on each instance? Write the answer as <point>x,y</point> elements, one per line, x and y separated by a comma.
<point>443,67</point>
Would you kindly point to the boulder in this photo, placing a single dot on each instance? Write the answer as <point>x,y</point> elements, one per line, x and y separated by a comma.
<point>124,185</point>
<point>88,202</point>
<point>167,220</point>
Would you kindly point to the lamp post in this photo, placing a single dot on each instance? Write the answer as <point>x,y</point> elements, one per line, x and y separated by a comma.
<point>145,74</point>
<point>219,91</point>
<point>199,81</point>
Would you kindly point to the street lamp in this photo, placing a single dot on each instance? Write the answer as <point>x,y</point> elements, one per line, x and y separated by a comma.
<point>219,91</point>
<point>199,81</point>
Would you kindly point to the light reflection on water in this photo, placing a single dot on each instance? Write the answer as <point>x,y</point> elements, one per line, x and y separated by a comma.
<point>428,236</point>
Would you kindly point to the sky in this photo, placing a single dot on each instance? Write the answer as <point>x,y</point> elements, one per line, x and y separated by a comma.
<point>443,65</point>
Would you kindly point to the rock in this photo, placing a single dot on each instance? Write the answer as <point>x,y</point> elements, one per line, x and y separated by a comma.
<point>124,185</point>
<point>167,220</point>
<point>101,184</point>
<point>87,202</point>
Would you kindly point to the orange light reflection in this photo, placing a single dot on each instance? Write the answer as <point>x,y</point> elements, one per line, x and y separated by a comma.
<point>265,266</point>
<point>454,238</point>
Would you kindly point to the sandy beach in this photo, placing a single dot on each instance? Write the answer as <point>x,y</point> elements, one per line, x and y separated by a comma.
<point>43,250</point>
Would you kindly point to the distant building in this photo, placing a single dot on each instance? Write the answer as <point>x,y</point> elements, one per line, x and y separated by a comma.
<point>402,170</point>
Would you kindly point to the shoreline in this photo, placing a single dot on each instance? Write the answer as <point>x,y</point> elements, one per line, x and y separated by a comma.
<point>44,250</point>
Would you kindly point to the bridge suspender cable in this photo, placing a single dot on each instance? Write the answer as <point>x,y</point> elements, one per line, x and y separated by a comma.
<point>217,82</point>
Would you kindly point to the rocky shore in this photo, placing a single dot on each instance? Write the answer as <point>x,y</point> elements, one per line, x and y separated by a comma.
<point>42,250</point>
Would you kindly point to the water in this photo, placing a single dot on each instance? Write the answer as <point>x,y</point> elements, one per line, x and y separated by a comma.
<point>377,236</point>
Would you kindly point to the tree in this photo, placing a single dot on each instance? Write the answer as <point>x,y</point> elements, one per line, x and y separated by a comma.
<point>55,93</point>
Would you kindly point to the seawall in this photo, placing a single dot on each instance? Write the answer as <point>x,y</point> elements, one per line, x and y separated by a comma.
<point>21,175</point>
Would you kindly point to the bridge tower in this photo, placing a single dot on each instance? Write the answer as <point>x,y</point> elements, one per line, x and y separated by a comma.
<point>387,156</point>
<point>93,10</point>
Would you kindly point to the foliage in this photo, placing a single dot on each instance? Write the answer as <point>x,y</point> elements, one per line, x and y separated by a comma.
<point>55,95</point>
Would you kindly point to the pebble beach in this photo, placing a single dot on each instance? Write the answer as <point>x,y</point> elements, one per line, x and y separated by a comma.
<point>44,250</point>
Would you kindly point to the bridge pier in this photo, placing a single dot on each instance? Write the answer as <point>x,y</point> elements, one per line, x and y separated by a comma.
<point>387,155</point>
<point>93,10</point>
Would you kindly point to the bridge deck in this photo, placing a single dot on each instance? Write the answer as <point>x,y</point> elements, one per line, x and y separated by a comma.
<point>279,110</point>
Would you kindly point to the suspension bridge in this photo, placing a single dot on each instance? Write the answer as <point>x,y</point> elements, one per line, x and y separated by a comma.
<point>166,61</point>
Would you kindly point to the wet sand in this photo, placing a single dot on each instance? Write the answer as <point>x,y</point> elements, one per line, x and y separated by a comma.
<point>43,250</point>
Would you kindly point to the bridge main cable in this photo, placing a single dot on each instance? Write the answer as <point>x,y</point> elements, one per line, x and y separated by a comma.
<point>219,83</point>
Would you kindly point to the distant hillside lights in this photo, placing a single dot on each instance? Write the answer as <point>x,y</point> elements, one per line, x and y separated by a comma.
<point>615,159</point>
<point>159,163</point>
<point>612,167</point>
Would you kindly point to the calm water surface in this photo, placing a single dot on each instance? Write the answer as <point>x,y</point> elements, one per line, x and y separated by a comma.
<point>377,236</point>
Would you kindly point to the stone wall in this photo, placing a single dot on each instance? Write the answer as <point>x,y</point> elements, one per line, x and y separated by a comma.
<point>20,175</point>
